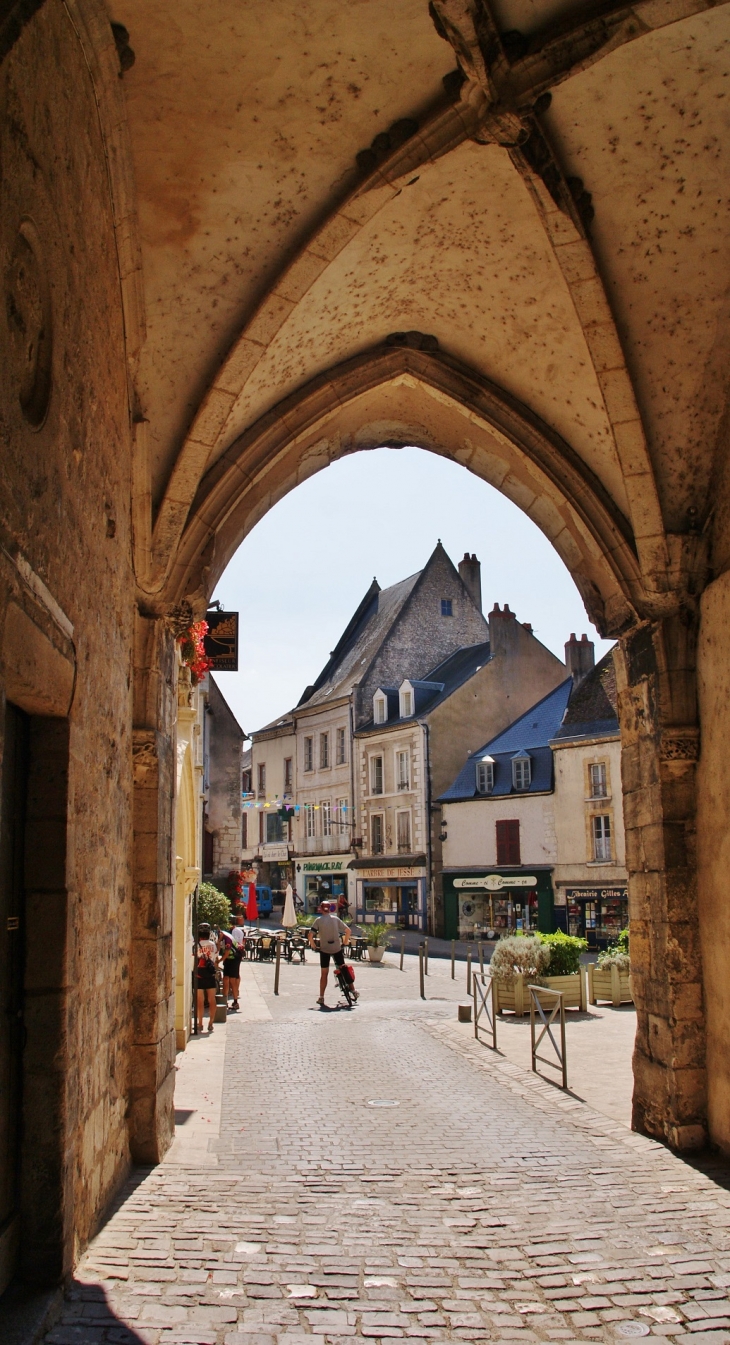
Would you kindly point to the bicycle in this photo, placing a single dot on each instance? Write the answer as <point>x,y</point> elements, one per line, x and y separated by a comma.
<point>345,978</point>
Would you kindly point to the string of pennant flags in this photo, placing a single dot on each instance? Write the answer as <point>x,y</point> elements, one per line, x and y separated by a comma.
<point>281,804</point>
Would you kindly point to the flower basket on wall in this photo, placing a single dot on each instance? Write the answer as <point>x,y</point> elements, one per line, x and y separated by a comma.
<point>609,983</point>
<point>515,997</point>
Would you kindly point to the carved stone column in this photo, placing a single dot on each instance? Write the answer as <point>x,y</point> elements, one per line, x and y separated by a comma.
<point>151,988</point>
<point>660,737</point>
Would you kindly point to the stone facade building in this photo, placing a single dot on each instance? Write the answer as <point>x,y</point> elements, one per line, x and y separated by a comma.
<point>224,738</point>
<point>203,306</point>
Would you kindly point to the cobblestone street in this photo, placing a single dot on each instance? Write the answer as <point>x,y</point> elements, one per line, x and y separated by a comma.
<point>378,1174</point>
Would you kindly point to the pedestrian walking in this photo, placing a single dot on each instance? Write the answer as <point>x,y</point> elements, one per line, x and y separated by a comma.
<point>207,961</point>
<point>231,952</point>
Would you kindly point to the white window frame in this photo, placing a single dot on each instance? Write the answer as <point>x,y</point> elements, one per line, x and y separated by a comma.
<point>380,708</point>
<point>600,768</point>
<point>341,811</point>
<point>377,757</point>
<point>406,701</point>
<point>310,821</point>
<point>325,808</point>
<point>324,751</point>
<point>404,813</point>
<point>601,835</point>
<point>402,777</point>
<point>521,773</point>
<point>485,777</point>
<point>377,817</point>
<point>341,748</point>
<point>309,753</point>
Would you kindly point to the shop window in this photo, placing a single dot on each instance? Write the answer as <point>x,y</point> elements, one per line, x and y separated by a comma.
<point>309,754</point>
<point>376,775</point>
<point>377,831</point>
<point>244,831</point>
<point>402,770</point>
<point>288,775</point>
<point>521,772</point>
<point>380,709</point>
<point>597,773</point>
<point>310,821</point>
<point>261,780</point>
<point>485,776</point>
<point>601,825</point>
<point>324,751</point>
<point>446,607</point>
<point>341,749</point>
<point>508,842</point>
<point>326,810</point>
<point>341,814</point>
<point>404,833</point>
<point>276,829</point>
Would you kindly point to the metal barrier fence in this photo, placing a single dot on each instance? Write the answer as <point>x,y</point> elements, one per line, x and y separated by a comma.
<point>484,1006</point>
<point>537,992</point>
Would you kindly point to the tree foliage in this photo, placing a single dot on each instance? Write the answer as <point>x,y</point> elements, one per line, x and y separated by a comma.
<point>214,908</point>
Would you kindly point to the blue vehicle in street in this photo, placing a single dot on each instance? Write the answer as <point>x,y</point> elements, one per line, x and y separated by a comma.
<point>264,900</point>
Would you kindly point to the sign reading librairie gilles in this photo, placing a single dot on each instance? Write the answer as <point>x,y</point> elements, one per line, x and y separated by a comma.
<point>221,642</point>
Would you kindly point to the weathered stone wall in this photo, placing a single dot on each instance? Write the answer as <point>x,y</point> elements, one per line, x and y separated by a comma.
<point>66,603</point>
<point>224,787</point>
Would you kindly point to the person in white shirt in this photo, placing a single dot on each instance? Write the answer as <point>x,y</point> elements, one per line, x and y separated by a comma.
<point>332,934</point>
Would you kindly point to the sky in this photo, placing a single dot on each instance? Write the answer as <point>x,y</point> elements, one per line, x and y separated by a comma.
<point>300,574</point>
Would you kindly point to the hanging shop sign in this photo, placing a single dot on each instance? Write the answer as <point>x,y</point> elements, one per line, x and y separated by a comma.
<point>221,642</point>
<point>370,875</point>
<point>494,882</point>
<point>323,865</point>
<point>275,854</point>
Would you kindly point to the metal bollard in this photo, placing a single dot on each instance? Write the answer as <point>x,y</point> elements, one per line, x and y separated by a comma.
<point>425,955</point>
<point>278,964</point>
<point>453,958</point>
<point>420,970</point>
<point>468,971</point>
<point>402,949</point>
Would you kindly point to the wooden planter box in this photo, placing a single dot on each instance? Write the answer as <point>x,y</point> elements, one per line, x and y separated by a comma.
<point>516,996</point>
<point>609,983</point>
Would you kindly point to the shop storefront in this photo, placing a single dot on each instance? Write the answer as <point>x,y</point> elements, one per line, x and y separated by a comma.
<point>323,878</point>
<point>496,903</point>
<point>275,870</point>
<point>597,914</point>
<point>392,894</point>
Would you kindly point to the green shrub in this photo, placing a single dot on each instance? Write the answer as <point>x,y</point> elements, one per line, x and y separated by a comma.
<point>519,956</point>
<point>214,908</point>
<point>617,954</point>
<point>564,951</point>
<point>305,920</point>
<point>378,936</point>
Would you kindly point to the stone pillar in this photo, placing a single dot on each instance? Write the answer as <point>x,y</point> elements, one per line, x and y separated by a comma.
<point>152,992</point>
<point>655,668</point>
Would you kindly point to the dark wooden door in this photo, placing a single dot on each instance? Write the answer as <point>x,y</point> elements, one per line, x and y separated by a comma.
<point>12,959</point>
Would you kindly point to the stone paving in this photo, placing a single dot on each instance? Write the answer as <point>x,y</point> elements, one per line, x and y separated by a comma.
<point>380,1175</point>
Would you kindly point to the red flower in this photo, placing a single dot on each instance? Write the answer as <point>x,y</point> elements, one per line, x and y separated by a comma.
<point>192,651</point>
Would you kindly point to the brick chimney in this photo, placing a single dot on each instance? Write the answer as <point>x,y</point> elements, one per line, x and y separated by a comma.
<point>470,571</point>
<point>579,657</point>
<point>503,630</point>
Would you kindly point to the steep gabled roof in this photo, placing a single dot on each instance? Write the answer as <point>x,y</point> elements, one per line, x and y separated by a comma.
<point>440,683</point>
<point>593,708</point>
<point>530,734</point>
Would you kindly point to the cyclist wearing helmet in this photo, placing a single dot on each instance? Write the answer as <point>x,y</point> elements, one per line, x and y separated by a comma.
<point>332,934</point>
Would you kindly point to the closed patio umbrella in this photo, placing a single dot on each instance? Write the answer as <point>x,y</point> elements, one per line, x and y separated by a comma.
<point>289,918</point>
<point>252,910</point>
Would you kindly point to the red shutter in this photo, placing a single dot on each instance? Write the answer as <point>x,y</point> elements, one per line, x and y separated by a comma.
<point>508,842</point>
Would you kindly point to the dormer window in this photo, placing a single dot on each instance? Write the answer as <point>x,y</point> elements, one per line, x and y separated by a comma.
<point>521,771</point>
<point>380,708</point>
<point>406,700</point>
<point>485,775</point>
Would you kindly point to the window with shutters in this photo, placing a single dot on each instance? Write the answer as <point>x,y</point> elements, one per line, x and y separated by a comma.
<point>485,777</point>
<point>309,754</point>
<point>310,821</point>
<point>324,751</point>
<point>597,775</point>
<point>261,784</point>
<point>341,748</point>
<point>325,808</point>
<point>403,833</point>
<point>288,775</point>
<point>508,842</point>
<point>341,815</point>
<point>601,838</point>
<point>402,771</point>
<point>376,775</point>
<point>377,832</point>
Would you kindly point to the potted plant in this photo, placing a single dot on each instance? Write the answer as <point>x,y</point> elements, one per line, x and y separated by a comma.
<point>552,960</point>
<point>377,938</point>
<point>611,978</point>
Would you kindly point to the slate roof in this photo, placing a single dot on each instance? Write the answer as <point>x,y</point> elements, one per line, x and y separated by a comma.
<point>531,733</point>
<point>593,708</point>
<point>441,682</point>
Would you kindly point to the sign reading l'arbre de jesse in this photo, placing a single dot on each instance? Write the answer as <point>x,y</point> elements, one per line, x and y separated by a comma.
<point>221,642</point>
